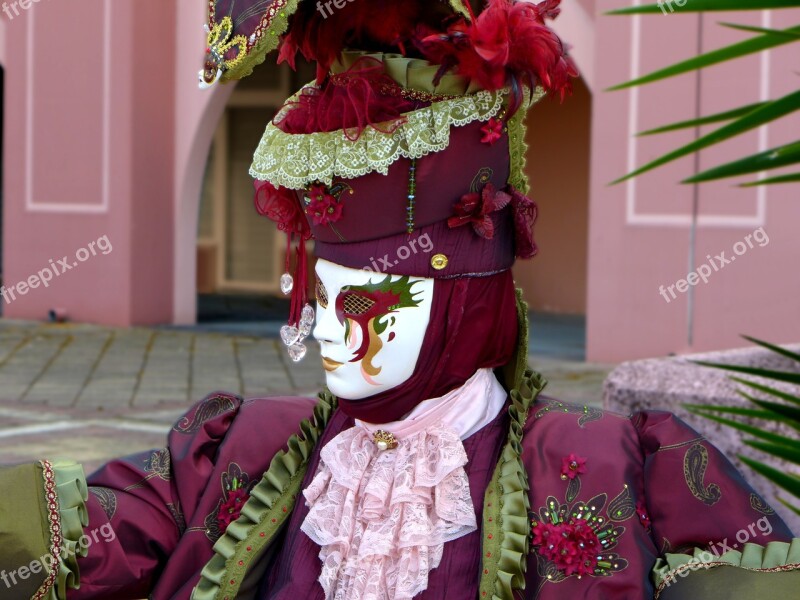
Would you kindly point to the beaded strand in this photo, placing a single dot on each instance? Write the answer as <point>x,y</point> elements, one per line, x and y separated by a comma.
<point>412,196</point>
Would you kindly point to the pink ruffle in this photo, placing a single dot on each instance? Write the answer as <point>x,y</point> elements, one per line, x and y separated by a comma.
<point>382,518</point>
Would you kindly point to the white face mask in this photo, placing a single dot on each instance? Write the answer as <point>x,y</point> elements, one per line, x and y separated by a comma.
<point>370,327</point>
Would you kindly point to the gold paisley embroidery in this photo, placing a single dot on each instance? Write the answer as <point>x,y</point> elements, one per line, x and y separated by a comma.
<point>587,413</point>
<point>177,514</point>
<point>208,409</point>
<point>695,464</point>
<point>159,464</point>
<point>107,500</point>
<point>622,507</point>
<point>757,503</point>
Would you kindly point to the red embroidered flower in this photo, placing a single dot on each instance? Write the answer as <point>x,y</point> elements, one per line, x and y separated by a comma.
<point>477,209</point>
<point>572,466</point>
<point>322,206</point>
<point>282,206</point>
<point>231,509</point>
<point>492,131</point>
<point>641,511</point>
<point>571,547</point>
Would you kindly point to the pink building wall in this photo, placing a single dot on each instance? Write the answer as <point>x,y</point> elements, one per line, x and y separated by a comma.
<point>89,153</point>
<point>640,231</point>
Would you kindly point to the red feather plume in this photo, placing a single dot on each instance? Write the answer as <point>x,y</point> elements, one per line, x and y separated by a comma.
<point>507,45</point>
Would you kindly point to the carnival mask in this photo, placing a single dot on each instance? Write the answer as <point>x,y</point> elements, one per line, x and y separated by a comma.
<point>370,327</point>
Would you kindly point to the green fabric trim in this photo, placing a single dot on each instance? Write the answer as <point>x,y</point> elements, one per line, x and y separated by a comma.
<point>517,146</point>
<point>26,529</point>
<point>269,41</point>
<point>506,503</point>
<point>506,543</point>
<point>24,535</point>
<point>73,493</point>
<point>270,504</point>
<point>297,160</point>
<point>749,573</point>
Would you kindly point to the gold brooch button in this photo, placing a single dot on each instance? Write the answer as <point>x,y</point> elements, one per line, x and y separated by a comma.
<point>384,440</point>
<point>439,262</point>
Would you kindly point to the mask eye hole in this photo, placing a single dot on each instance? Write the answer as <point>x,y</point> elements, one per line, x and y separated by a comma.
<point>356,304</point>
<point>322,295</point>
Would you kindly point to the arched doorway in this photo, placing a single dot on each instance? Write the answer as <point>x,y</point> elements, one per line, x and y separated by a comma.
<point>555,282</point>
<point>240,255</point>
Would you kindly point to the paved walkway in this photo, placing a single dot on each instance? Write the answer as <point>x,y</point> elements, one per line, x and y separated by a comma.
<point>91,393</point>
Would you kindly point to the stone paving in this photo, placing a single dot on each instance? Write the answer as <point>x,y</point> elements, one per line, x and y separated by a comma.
<point>91,393</point>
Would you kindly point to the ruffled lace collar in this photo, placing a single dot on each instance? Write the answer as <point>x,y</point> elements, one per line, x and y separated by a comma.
<point>381,518</point>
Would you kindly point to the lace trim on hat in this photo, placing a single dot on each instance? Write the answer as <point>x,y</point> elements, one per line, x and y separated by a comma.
<point>297,160</point>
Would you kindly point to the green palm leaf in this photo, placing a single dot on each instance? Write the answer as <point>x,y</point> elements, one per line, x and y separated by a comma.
<point>767,390</point>
<point>786,453</point>
<point>706,6</point>
<point>710,119</point>
<point>763,161</point>
<point>788,481</point>
<point>757,44</point>
<point>752,120</point>
<point>778,446</point>
<point>773,348</point>
<point>791,178</point>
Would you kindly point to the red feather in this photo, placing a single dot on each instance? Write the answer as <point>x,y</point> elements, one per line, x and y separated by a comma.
<point>371,25</point>
<point>507,45</point>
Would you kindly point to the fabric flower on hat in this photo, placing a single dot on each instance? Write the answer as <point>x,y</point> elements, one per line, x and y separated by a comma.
<point>492,131</point>
<point>477,208</point>
<point>572,466</point>
<point>322,206</point>
<point>282,206</point>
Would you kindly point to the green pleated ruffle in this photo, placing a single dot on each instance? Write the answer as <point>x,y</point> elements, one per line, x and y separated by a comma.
<point>506,543</point>
<point>73,493</point>
<point>774,557</point>
<point>270,504</point>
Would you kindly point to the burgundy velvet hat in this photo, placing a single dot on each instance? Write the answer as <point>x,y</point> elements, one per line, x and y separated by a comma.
<point>411,161</point>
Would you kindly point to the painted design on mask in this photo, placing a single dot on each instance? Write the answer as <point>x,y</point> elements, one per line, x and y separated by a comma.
<point>369,307</point>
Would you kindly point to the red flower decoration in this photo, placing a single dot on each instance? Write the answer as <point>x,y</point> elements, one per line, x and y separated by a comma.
<point>571,547</point>
<point>231,509</point>
<point>477,209</point>
<point>322,206</point>
<point>492,131</point>
<point>641,511</point>
<point>282,206</point>
<point>572,466</point>
<point>525,215</point>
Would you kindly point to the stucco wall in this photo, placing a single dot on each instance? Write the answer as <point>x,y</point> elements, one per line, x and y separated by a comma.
<point>640,232</point>
<point>89,156</point>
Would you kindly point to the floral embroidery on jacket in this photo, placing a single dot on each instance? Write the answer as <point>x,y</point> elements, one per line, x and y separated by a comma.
<point>236,487</point>
<point>576,538</point>
<point>695,464</point>
<point>206,410</point>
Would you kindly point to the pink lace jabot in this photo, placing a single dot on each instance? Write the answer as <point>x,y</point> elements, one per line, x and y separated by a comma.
<point>381,518</point>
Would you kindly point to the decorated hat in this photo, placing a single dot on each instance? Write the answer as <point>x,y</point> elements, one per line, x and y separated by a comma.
<point>406,155</point>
